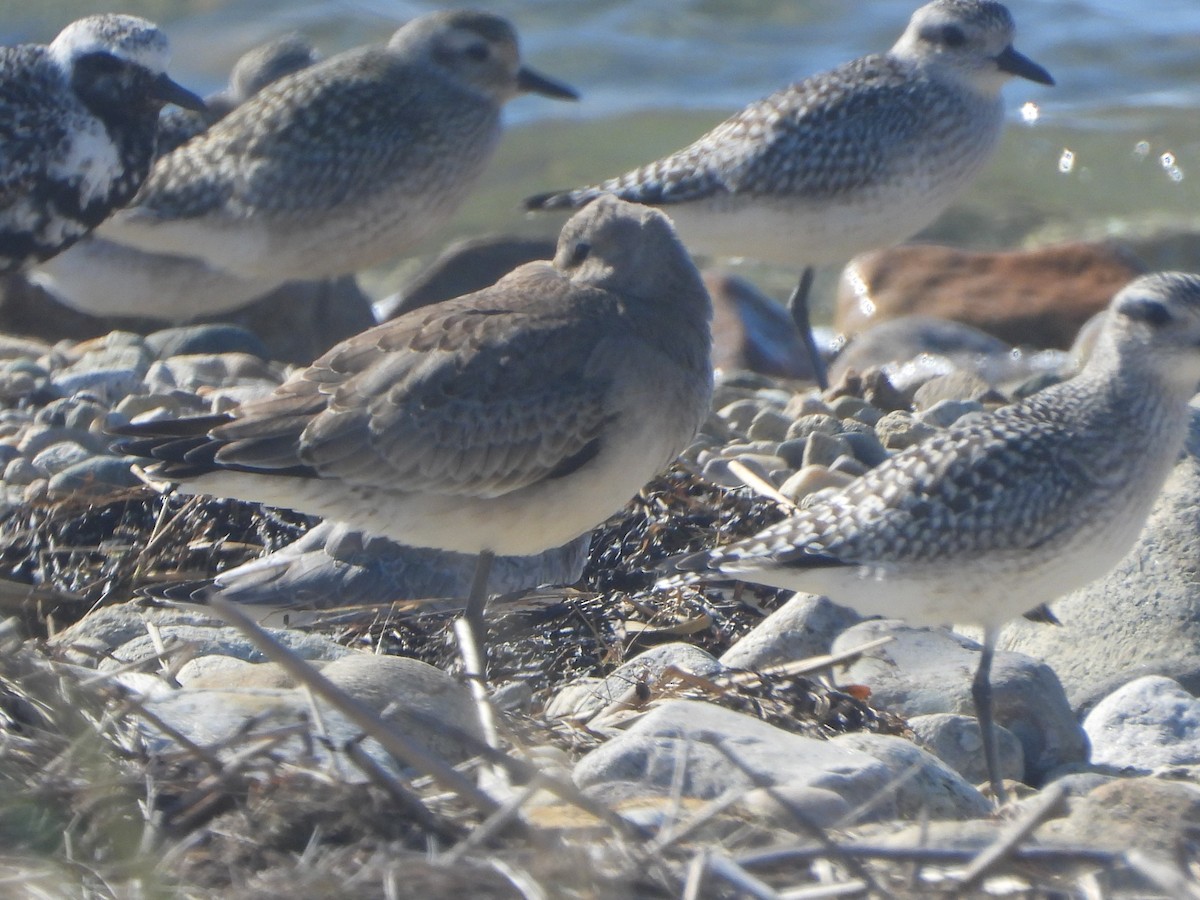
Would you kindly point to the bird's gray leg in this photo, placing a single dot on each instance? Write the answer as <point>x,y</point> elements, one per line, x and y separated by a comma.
<point>981,693</point>
<point>478,598</point>
<point>798,306</point>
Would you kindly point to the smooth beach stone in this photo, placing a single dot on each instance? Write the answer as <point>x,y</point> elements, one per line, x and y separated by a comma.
<point>803,627</point>
<point>209,370</point>
<point>958,385</point>
<point>58,456</point>
<point>645,668</point>
<point>96,476</point>
<point>867,447</point>
<point>39,437</point>
<point>1151,815</point>
<point>769,425</point>
<point>739,414</point>
<point>1040,296</point>
<point>718,752</point>
<point>945,413</point>
<point>810,479</point>
<point>956,741</point>
<point>1148,723</point>
<point>21,471</point>
<point>823,449</point>
<point>923,670</point>
<point>185,340</point>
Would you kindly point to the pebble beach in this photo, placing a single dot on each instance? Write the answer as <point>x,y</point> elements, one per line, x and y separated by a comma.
<point>208,697</point>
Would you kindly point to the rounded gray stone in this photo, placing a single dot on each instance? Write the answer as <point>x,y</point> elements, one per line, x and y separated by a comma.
<point>803,627</point>
<point>956,740</point>
<point>96,476</point>
<point>929,670</point>
<point>59,456</point>
<point>707,751</point>
<point>1148,723</point>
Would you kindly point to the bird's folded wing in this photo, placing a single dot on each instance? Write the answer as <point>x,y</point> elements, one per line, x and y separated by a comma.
<point>471,397</point>
<point>252,161</point>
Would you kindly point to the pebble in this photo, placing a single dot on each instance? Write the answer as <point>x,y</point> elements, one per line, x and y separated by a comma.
<point>956,741</point>
<point>187,340</point>
<point>864,771</point>
<point>811,479</point>
<point>803,627</point>
<point>97,476</point>
<point>824,449</point>
<point>921,671</point>
<point>1148,723</point>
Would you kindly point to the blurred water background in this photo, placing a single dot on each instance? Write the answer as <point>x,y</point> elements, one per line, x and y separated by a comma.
<point>1114,149</point>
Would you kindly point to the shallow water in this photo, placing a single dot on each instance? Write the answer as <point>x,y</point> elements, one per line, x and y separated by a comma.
<point>655,73</point>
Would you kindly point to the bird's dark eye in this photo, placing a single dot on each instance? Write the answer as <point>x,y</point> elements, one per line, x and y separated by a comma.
<point>953,36</point>
<point>100,63</point>
<point>477,52</point>
<point>945,35</point>
<point>1149,311</point>
<point>580,252</point>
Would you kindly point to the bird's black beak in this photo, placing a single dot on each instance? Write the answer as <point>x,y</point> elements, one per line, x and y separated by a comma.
<point>168,91</point>
<point>1022,66</point>
<point>530,81</point>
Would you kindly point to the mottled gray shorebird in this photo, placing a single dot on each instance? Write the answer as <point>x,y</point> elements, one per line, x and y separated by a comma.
<point>77,130</point>
<point>345,164</point>
<point>505,421</point>
<point>254,70</point>
<point>861,156</point>
<point>105,278</point>
<point>1009,509</point>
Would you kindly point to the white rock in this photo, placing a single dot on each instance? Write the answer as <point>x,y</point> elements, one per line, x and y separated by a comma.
<point>1150,722</point>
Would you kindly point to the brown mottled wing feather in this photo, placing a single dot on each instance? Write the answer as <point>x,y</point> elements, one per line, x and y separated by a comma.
<point>432,401</point>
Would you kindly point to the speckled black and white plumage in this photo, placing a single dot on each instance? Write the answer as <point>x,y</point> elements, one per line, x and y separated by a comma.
<point>253,71</point>
<point>77,130</point>
<point>345,164</point>
<point>857,157</point>
<point>105,278</point>
<point>1009,509</point>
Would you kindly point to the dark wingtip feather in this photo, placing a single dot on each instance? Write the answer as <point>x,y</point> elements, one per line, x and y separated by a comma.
<point>165,428</point>
<point>549,200</point>
<point>699,562</point>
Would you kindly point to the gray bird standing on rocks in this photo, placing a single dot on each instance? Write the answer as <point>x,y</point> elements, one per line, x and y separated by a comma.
<point>1006,510</point>
<point>506,421</point>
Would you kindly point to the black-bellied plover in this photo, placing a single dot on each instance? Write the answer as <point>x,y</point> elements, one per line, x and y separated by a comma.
<point>105,278</point>
<point>1009,509</point>
<point>506,421</point>
<point>860,156</point>
<point>77,130</point>
<point>253,71</point>
<point>345,164</point>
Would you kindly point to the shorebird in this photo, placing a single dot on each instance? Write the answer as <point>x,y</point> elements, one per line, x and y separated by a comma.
<point>334,565</point>
<point>253,71</point>
<point>77,128</point>
<point>1009,509</point>
<point>105,278</point>
<point>345,164</point>
<point>506,421</point>
<point>858,157</point>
